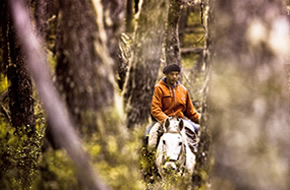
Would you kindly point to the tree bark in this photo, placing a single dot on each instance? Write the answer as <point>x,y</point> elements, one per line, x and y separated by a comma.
<point>3,37</point>
<point>204,154</point>
<point>20,92</point>
<point>145,62</point>
<point>248,96</point>
<point>56,111</point>
<point>113,22</point>
<point>288,73</point>
<point>45,14</point>
<point>172,45</point>
<point>41,17</point>
<point>84,68</point>
<point>129,17</point>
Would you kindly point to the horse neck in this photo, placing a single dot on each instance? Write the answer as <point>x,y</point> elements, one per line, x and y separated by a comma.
<point>173,129</point>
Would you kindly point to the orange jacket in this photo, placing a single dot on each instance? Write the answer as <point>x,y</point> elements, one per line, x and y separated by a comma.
<point>172,101</point>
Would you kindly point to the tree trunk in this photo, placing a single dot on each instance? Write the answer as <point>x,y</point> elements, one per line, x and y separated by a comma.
<point>172,46</point>
<point>20,89</point>
<point>288,73</point>
<point>183,24</point>
<point>46,13</point>
<point>249,111</point>
<point>84,68</point>
<point>21,107</point>
<point>41,17</point>
<point>145,62</point>
<point>129,16</point>
<point>204,155</point>
<point>113,22</point>
<point>3,37</point>
<point>55,109</point>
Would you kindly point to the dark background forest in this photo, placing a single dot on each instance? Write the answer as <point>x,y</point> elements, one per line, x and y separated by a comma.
<point>77,78</point>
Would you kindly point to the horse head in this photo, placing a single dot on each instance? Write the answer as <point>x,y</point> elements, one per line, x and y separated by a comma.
<point>171,148</point>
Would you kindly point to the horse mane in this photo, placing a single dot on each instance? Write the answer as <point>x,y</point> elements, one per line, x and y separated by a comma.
<point>173,129</point>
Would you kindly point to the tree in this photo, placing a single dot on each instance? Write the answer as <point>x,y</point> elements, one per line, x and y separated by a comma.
<point>200,177</point>
<point>41,16</point>
<point>20,90</point>
<point>172,45</point>
<point>129,16</point>
<point>22,154</point>
<point>145,61</point>
<point>114,25</point>
<point>248,96</point>
<point>84,67</point>
<point>57,114</point>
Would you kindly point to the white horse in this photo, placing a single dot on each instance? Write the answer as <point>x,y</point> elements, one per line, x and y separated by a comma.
<point>173,152</point>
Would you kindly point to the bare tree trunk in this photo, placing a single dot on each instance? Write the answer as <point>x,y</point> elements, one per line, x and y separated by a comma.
<point>288,73</point>
<point>183,24</point>
<point>84,68</point>
<point>129,16</point>
<point>41,17</point>
<point>3,37</point>
<point>145,62</point>
<point>20,90</point>
<point>45,14</point>
<point>21,107</point>
<point>3,71</point>
<point>113,22</point>
<point>204,154</point>
<point>250,118</point>
<point>172,45</point>
<point>55,109</point>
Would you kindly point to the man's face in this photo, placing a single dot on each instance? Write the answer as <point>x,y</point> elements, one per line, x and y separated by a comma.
<point>172,77</point>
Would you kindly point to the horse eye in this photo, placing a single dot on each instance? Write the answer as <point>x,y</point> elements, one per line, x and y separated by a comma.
<point>180,143</point>
<point>164,142</point>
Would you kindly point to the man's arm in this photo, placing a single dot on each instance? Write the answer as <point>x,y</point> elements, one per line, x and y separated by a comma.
<point>190,111</point>
<point>156,106</point>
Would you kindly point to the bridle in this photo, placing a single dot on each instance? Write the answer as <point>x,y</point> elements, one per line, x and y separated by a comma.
<point>180,162</point>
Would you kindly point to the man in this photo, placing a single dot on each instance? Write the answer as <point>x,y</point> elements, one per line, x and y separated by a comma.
<point>170,99</point>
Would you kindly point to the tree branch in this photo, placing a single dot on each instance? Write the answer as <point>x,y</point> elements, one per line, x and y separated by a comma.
<point>191,50</point>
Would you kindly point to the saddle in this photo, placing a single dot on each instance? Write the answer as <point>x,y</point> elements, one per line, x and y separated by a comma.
<point>192,139</point>
<point>190,132</point>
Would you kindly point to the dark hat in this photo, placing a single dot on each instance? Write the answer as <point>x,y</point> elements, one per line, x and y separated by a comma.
<point>172,67</point>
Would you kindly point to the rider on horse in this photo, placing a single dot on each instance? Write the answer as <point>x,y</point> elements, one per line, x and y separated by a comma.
<point>170,99</point>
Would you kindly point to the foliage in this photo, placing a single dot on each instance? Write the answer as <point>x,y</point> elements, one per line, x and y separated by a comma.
<point>3,83</point>
<point>147,165</point>
<point>124,172</point>
<point>56,171</point>
<point>19,155</point>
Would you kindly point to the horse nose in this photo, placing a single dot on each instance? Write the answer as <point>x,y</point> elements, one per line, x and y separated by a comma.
<point>170,166</point>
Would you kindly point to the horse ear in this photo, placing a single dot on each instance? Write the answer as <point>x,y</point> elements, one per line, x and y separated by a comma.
<point>166,123</point>
<point>181,124</point>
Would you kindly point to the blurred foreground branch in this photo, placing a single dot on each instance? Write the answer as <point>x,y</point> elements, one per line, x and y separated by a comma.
<point>57,114</point>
